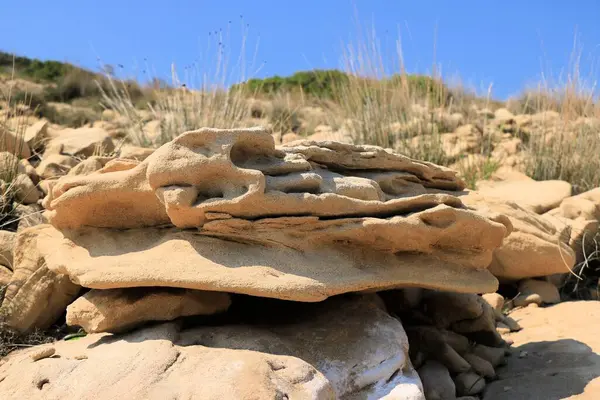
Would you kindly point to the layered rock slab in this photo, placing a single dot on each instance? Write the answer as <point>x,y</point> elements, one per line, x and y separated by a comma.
<point>301,259</point>
<point>35,295</point>
<point>299,222</point>
<point>364,355</point>
<point>240,172</point>
<point>118,310</point>
<point>538,245</point>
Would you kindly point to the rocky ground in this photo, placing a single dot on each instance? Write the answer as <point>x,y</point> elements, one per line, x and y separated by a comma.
<point>251,264</point>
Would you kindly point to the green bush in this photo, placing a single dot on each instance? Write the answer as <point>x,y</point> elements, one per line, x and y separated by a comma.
<point>33,100</point>
<point>317,83</point>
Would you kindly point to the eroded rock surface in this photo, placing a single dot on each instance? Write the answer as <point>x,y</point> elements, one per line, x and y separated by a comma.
<point>538,245</point>
<point>343,348</point>
<point>298,222</point>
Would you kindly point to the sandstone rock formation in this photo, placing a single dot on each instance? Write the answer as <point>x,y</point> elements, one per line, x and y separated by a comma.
<point>81,142</point>
<point>538,245</point>
<point>535,196</point>
<point>35,296</point>
<point>235,185</point>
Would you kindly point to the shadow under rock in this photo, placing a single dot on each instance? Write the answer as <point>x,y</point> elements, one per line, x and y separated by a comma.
<point>245,310</point>
<point>549,370</point>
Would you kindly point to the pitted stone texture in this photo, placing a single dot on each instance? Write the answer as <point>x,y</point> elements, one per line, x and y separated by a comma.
<point>240,172</point>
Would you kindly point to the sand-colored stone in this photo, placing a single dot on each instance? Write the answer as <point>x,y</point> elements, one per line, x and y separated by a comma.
<point>469,383</point>
<point>29,215</point>
<point>135,152</point>
<point>269,218</point>
<point>584,206</point>
<point>55,165</point>
<point>7,245</point>
<point>363,355</point>
<point>37,134</point>
<point>25,190</point>
<point>89,165</point>
<point>29,170</point>
<point>297,259</point>
<point>503,115</point>
<point>13,143</point>
<point>536,291</point>
<point>147,365</point>
<point>465,139</point>
<point>538,197</point>
<point>240,172</point>
<point>495,300</point>
<point>538,245</point>
<point>118,310</point>
<point>35,296</point>
<point>5,276</point>
<point>437,383</point>
<point>82,142</point>
<point>41,353</point>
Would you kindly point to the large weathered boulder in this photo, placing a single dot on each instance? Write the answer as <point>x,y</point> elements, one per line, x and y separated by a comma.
<point>268,219</point>
<point>536,196</point>
<point>118,310</point>
<point>36,296</point>
<point>538,245</point>
<point>343,348</point>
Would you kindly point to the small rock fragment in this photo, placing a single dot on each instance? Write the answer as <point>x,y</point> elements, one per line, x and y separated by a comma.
<point>469,383</point>
<point>536,291</point>
<point>481,366</point>
<point>42,353</point>
<point>437,383</point>
<point>494,355</point>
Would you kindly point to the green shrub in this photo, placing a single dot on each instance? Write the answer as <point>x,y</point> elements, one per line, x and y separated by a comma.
<point>317,83</point>
<point>284,119</point>
<point>33,100</point>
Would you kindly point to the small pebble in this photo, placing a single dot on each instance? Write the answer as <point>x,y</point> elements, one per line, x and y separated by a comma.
<point>81,357</point>
<point>523,354</point>
<point>42,353</point>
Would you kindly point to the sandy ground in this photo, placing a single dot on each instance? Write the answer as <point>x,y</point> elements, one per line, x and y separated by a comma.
<point>555,356</point>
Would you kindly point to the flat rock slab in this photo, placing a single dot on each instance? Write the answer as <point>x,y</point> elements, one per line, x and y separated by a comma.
<point>108,259</point>
<point>555,356</point>
<point>538,197</point>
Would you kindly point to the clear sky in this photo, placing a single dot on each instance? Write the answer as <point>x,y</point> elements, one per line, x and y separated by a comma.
<point>508,43</point>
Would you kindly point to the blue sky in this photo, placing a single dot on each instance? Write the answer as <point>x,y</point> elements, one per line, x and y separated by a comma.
<point>508,43</point>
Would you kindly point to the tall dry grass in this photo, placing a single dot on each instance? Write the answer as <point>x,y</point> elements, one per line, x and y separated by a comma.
<point>382,104</point>
<point>563,140</point>
<point>13,124</point>
<point>200,98</point>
